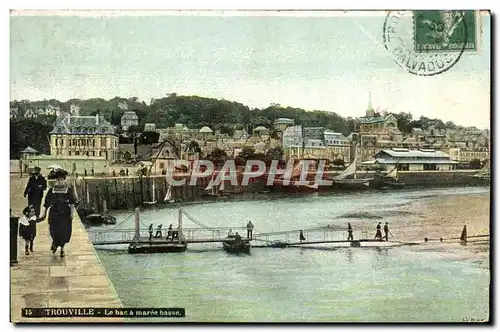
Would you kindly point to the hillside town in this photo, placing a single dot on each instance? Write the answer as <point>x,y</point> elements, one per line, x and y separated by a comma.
<point>91,142</point>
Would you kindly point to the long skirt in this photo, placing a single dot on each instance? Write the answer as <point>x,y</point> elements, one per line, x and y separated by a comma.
<point>60,230</point>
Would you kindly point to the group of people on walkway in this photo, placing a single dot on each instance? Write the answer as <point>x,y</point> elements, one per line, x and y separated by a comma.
<point>378,233</point>
<point>171,233</point>
<point>350,236</point>
<point>59,204</point>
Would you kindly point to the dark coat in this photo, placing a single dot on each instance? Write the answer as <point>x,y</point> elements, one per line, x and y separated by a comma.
<point>58,199</point>
<point>34,190</point>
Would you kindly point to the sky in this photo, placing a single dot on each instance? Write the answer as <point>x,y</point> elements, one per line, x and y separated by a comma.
<point>313,61</point>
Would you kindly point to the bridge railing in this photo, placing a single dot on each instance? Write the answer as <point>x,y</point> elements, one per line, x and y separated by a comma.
<point>128,235</point>
<point>194,234</point>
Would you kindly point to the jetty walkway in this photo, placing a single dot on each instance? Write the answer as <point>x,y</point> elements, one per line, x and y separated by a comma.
<point>44,280</point>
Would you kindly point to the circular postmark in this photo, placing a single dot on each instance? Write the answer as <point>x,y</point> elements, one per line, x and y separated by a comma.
<point>426,43</point>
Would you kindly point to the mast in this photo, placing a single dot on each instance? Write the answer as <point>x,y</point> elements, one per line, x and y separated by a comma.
<point>137,225</point>
<point>169,193</point>
<point>154,190</point>
<point>179,226</point>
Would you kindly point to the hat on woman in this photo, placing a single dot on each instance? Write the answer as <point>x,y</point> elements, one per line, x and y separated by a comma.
<point>60,173</point>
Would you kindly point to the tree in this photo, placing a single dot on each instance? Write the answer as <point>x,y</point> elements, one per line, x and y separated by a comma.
<point>116,117</point>
<point>193,146</point>
<point>247,153</point>
<point>133,129</point>
<point>229,131</point>
<point>28,132</point>
<point>275,153</point>
<point>217,156</point>
<point>404,120</point>
<point>450,125</point>
<point>149,137</point>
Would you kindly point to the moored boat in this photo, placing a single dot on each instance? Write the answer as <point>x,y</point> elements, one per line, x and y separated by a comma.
<point>233,246</point>
<point>344,180</point>
<point>96,219</point>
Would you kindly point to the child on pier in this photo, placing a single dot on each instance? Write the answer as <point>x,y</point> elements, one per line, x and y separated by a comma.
<point>27,227</point>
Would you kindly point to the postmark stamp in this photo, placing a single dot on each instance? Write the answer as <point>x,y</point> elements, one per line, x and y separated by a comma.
<point>446,31</point>
<point>428,43</point>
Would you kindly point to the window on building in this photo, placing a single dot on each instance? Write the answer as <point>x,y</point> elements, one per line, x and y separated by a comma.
<point>93,153</point>
<point>69,153</point>
<point>62,141</point>
<point>77,153</point>
<point>430,167</point>
<point>93,141</point>
<point>100,153</point>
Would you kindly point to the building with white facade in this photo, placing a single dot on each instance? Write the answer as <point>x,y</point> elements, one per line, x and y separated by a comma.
<point>129,119</point>
<point>413,160</point>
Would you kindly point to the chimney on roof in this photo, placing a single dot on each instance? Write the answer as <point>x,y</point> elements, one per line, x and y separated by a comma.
<point>69,118</point>
<point>97,118</point>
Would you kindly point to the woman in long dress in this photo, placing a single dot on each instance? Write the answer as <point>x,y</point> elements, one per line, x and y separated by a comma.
<point>61,202</point>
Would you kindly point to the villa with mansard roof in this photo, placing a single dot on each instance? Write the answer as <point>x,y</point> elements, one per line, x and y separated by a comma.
<point>85,137</point>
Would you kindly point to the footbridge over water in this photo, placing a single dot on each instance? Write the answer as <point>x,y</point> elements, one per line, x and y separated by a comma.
<point>207,234</point>
<point>320,237</point>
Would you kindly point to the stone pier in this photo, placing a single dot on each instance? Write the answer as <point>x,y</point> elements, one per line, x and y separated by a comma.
<point>43,279</point>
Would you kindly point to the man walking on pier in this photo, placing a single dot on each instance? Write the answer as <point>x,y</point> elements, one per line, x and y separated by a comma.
<point>34,190</point>
<point>169,232</point>
<point>350,237</point>
<point>386,231</point>
<point>150,228</point>
<point>378,235</point>
<point>249,230</point>
<point>158,231</point>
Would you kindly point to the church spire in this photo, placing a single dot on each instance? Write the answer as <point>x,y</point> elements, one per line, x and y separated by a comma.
<point>369,110</point>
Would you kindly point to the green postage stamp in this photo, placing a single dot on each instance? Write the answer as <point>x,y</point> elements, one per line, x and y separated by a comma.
<point>445,30</point>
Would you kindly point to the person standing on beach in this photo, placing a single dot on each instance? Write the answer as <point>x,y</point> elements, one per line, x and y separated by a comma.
<point>61,202</point>
<point>34,190</point>
<point>378,235</point>
<point>350,237</point>
<point>386,231</point>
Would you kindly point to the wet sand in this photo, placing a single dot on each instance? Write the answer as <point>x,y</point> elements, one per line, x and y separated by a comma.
<point>444,217</point>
